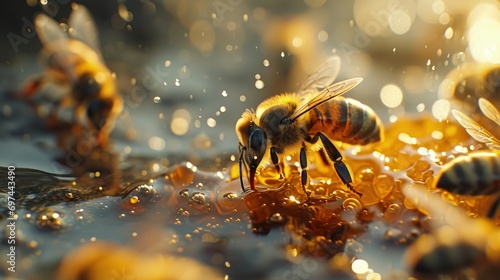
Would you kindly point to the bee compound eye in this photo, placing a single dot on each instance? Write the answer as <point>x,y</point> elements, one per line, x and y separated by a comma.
<point>257,142</point>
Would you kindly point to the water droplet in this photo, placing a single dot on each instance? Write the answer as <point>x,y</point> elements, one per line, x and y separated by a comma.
<point>276,218</point>
<point>230,196</point>
<point>157,99</point>
<point>184,193</point>
<point>198,198</point>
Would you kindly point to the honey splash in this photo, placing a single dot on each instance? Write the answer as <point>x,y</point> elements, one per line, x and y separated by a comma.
<point>333,220</point>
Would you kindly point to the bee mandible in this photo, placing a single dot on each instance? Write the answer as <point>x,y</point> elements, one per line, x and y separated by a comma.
<point>293,123</point>
<point>75,64</point>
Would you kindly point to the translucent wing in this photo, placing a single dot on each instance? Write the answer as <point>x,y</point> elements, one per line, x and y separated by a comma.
<point>323,75</point>
<point>49,31</point>
<point>82,27</point>
<point>55,42</point>
<point>325,95</point>
<point>489,110</point>
<point>476,131</point>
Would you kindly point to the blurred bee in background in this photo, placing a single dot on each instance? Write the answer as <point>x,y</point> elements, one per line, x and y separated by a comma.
<point>75,79</point>
<point>458,246</point>
<point>293,123</point>
<point>469,82</point>
<point>477,173</point>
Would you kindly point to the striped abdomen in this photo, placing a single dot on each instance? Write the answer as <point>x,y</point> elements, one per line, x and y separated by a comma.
<point>476,174</point>
<point>346,120</point>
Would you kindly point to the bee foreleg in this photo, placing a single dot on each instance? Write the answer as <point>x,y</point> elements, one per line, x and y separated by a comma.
<point>335,155</point>
<point>303,166</point>
<point>241,149</point>
<point>274,158</point>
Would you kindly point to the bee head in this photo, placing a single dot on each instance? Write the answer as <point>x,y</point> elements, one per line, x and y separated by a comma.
<point>253,145</point>
<point>87,86</point>
<point>101,114</point>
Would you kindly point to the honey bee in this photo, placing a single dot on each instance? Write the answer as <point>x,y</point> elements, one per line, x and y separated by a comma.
<point>474,174</point>
<point>477,173</point>
<point>293,123</point>
<point>75,66</point>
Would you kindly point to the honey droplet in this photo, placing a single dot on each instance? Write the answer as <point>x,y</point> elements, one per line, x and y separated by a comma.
<point>383,185</point>
<point>134,199</point>
<point>392,212</point>
<point>366,174</point>
<point>352,205</point>
<point>49,219</point>
<point>182,175</point>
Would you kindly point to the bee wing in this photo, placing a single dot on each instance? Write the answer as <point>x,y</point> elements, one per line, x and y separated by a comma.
<point>82,27</point>
<point>323,75</point>
<point>489,110</point>
<point>325,95</point>
<point>476,131</point>
<point>49,31</point>
<point>55,42</point>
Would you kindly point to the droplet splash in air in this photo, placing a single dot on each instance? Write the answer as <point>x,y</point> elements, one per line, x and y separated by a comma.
<point>440,109</point>
<point>211,122</point>
<point>156,143</point>
<point>323,36</point>
<point>448,33</point>
<point>391,95</point>
<point>259,84</point>
<point>180,122</point>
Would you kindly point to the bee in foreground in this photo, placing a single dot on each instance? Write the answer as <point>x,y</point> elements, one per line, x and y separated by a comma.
<point>86,87</point>
<point>293,123</point>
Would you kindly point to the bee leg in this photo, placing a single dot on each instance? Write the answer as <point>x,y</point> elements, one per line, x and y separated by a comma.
<point>274,158</point>
<point>334,155</point>
<point>303,166</point>
<point>241,148</point>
